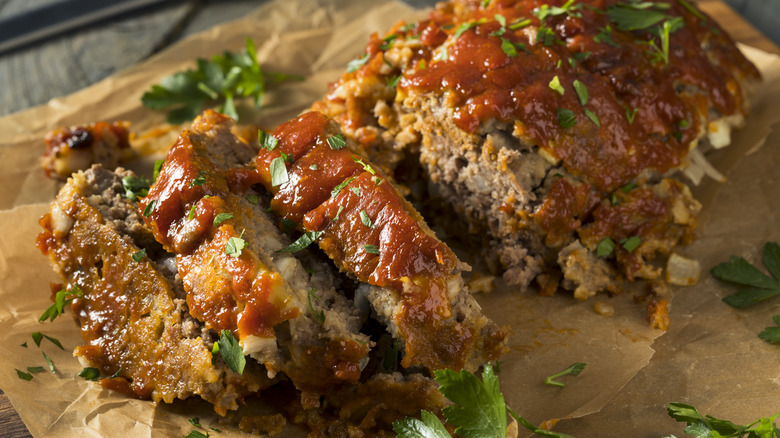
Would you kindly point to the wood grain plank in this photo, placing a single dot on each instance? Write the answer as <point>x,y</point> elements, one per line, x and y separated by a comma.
<point>11,425</point>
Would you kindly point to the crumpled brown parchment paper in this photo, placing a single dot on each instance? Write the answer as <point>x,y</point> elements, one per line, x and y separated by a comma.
<point>710,356</point>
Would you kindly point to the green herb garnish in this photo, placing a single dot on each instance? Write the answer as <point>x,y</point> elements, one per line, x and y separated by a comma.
<point>582,91</point>
<point>234,246</point>
<point>231,352</point>
<point>355,64</point>
<point>223,78</point>
<point>566,118</point>
<point>555,85</point>
<point>605,247</point>
<point>705,426</point>
<point>278,170</point>
<point>150,208</point>
<point>24,376</point>
<point>61,299</point>
<point>199,180</point>
<point>305,240</point>
<point>90,373</point>
<point>336,190</point>
<point>139,255</point>
<point>221,217</point>
<point>759,285</point>
<point>574,369</point>
<point>337,142</point>
<point>631,243</point>
<point>772,334</point>
<point>371,249</point>
<point>592,117</point>
<point>319,316</point>
<point>366,220</point>
<point>266,141</point>
<point>135,187</point>
<point>191,214</point>
<point>630,114</point>
<point>49,363</point>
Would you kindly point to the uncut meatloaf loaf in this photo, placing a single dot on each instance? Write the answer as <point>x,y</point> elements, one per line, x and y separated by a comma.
<point>556,128</point>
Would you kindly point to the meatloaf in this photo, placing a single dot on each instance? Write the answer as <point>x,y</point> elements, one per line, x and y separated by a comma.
<point>558,129</point>
<point>166,272</point>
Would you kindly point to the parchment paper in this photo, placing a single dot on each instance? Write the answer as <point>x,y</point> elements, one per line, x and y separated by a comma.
<point>710,356</point>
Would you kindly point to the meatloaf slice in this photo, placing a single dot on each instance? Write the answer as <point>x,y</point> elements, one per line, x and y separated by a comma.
<point>202,208</point>
<point>552,126</point>
<point>133,314</point>
<point>359,219</point>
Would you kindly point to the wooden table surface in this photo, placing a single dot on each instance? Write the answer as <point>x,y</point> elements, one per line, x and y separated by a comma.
<point>67,63</point>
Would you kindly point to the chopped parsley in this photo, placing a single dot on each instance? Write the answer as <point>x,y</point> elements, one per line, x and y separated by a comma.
<point>199,180</point>
<point>234,246</point>
<point>759,286</point>
<point>288,225</point>
<point>574,369</point>
<point>371,249</point>
<point>544,11</point>
<point>393,81</point>
<point>197,434</point>
<point>319,316</point>
<point>630,114</point>
<point>366,167</point>
<point>355,190</point>
<point>366,220</point>
<point>336,190</point>
<point>464,27</point>
<point>221,217</point>
<point>592,117</point>
<point>150,208</point>
<point>338,213</point>
<point>252,198</point>
<point>24,376</point>
<point>37,337</point>
<point>89,373</point>
<point>61,299</point>
<point>582,91</point>
<point>519,23</point>
<point>139,255</point>
<point>266,141</point>
<point>555,85</point>
<point>49,363</point>
<point>305,240</point>
<point>508,48</point>
<point>278,170</point>
<point>566,118</point>
<point>387,42</point>
<point>191,214</point>
<point>313,167</point>
<point>158,164</point>
<point>231,352</point>
<point>135,187</point>
<point>337,142</point>
<point>631,243</point>
<point>355,64</point>
<point>605,247</point>
<point>605,36</point>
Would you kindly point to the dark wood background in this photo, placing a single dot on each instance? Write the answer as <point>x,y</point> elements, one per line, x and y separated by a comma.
<point>56,67</point>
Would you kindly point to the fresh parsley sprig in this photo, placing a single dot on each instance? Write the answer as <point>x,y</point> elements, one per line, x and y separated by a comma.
<point>772,334</point>
<point>61,299</point>
<point>223,79</point>
<point>759,286</point>
<point>574,369</point>
<point>231,352</point>
<point>704,426</point>
<point>479,410</point>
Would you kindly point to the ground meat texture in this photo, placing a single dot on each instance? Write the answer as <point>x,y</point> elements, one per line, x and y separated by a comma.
<point>372,233</point>
<point>77,148</point>
<point>531,124</point>
<point>130,318</point>
<point>236,279</point>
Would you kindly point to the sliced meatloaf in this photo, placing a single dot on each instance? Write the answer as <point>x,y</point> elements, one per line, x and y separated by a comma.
<point>556,128</point>
<point>202,209</point>
<point>133,313</point>
<point>359,219</point>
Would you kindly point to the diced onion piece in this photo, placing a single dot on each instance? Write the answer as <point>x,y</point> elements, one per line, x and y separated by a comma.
<point>481,283</point>
<point>603,308</point>
<point>682,271</point>
<point>699,159</point>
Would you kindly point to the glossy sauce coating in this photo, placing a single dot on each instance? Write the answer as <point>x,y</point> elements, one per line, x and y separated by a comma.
<point>371,232</point>
<point>226,292</point>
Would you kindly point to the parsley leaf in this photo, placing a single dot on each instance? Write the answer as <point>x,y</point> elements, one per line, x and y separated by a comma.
<point>355,64</point>
<point>760,286</point>
<point>54,341</point>
<point>224,77</point>
<point>582,92</point>
<point>234,246</point>
<point>24,376</point>
<point>479,408</point>
<point>336,190</point>
<point>90,373</point>
<point>537,430</point>
<point>605,247</point>
<point>371,249</point>
<point>631,243</point>
<point>278,170</point>
<point>627,17</point>
<point>48,362</point>
<point>319,316</point>
<point>231,352</point>
<point>199,180</point>
<point>566,118</point>
<point>266,141</point>
<point>197,434</point>
<point>708,426</point>
<point>135,187</point>
<point>37,338</point>
<point>429,427</point>
<point>139,255</point>
<point>555,85</point>
<point>772,334</point>
<point>574,369</point>
<point>337,142</point>
<point>305,240</point>
<point>61,299</point>
<point>366,220</point>
<point>508,48</point>
<point>150,208</point>
<point>191,214</point>
<point>630,114</point>
<point>33,370</point>
<point>222,217</point>
<point>592,117</point>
